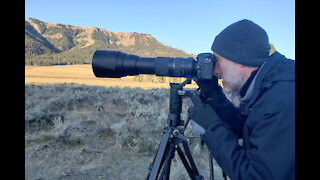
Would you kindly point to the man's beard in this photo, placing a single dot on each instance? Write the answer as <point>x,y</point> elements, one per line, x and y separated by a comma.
<point>232,80</point>
<point>232,83</point>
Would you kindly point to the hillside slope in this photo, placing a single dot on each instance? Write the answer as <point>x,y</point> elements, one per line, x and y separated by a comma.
<point>53,43</point>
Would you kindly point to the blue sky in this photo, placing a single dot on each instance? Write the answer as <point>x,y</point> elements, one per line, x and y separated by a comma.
<point>189,25</point>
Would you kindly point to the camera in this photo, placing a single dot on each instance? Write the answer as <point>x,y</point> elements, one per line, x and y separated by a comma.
<point>116,64</point>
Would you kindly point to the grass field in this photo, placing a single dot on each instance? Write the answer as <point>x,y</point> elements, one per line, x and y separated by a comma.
<point>83,74</point>
<point>80,132</point>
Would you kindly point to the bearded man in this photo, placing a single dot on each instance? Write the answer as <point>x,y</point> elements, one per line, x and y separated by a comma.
<point>264,116</point>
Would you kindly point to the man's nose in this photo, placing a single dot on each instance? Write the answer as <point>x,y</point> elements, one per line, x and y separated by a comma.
<point>216,72</point>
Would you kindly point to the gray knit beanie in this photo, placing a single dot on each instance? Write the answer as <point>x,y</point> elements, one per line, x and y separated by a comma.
<point>243,42</point>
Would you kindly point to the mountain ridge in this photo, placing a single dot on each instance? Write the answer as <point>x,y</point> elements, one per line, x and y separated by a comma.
<point>54,43</point>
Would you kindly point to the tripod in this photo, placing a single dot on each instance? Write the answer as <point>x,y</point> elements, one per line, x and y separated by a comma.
<point>173,136</point>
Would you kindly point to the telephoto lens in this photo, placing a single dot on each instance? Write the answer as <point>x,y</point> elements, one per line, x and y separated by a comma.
<point>116,64</point>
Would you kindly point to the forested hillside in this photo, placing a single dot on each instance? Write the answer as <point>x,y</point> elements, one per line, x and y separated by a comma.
<point>53,43</point>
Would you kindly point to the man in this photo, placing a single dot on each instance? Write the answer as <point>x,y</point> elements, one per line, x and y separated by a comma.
<point>265,117</point>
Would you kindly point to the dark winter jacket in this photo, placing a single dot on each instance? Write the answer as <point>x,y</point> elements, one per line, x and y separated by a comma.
<point>266,122</point>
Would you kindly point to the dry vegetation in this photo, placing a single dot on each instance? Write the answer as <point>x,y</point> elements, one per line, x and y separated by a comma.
<point>92,132</point>
<point>77,129</point>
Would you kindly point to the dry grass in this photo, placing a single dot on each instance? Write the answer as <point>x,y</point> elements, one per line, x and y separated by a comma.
<point>92,132</point>
<point>83,74</point>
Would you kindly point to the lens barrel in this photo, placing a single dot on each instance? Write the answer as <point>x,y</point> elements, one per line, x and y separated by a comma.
<point>116,64</point>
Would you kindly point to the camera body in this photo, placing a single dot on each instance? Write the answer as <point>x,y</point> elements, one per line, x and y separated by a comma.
<point>205,67</point>
<point>116,64</point>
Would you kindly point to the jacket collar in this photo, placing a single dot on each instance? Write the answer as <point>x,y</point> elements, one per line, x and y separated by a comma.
<point>268,74</point>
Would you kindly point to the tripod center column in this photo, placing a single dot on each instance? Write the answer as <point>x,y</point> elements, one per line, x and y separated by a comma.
<point>175,105</point>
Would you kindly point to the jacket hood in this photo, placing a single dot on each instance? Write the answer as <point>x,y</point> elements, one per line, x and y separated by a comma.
<point>276,68</point>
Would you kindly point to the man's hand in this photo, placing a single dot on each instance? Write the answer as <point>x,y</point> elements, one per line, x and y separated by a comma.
<point>201,117</point>
<point>207,86</point>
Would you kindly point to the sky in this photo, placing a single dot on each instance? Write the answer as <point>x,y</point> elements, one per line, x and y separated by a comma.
<point>189,25</point>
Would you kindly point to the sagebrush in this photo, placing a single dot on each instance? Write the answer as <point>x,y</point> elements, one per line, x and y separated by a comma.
<point>92,132</point>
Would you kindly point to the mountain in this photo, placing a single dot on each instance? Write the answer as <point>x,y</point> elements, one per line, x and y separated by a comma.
<point>53,43</point>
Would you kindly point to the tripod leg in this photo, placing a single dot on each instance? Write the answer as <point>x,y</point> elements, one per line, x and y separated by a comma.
<point>224,175</point>
<point>193,165</point>
<point>166,168</point>
<point>211,166</point>
<point>168,171</point>
<point>158,160</point>
<point>186,164</point>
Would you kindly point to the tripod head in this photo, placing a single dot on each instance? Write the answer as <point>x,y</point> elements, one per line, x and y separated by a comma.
<point>176,94</point>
